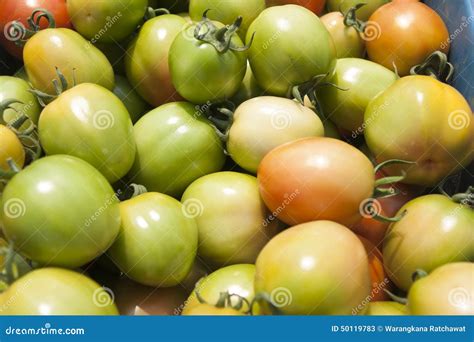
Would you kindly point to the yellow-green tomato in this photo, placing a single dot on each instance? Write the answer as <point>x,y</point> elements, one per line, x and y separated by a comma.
<point>231,217</point>
<point>60,211</point>
<point>386,309</point>
<point>56,291</point>
<point>77,59</point>
<point>157,242</point>
<point>91,123</point>
<point>433,231</point>
<point>362,13</point>
<point>235,280</point>
<point>319,267</point>
<point>421,119</point>
<point>347,39</point>
<point>263,123</point>
<point>136,106</point>
<point>357,82</point>
<point>175,146</point>
<point>448,290</point>
<point>10,148</point>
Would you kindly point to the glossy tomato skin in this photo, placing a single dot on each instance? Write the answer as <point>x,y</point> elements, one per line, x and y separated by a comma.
<point>448,290</point>
<point>10,148</point>
<point>106,21</point>
<point>290,47</point>
<point>316,6</point>
<point>347,39</point>
<point>404,34</point>
<point>157,224</point>
<point>67,50</point>
<point>146,61</point>
<point>438,229</point>
<point>189,148</point>
<point>363,13</point>
<point>210,310</point>
<point>231,217</point>
<point>102,134</point>
<point>61,196</point>
<point>21,10</point>
<point>385,308</point>
<point>18,89</point>
<point>307,180</point>
<point>304,270</point>
<point>236,279</point>
<point>359,81</point>
<point>56,291</point>
<point>439,138</point>
<point>208,75</point>
<point>263,123</point>
<point>226,12</point>
<point>135,105</point>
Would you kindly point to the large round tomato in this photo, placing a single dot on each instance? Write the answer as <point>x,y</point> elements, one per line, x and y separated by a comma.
<point>157,242</point>
<point>227,11</point>
<point>316,179</point>
<point>347,39</point>
<point>231,217</point>
<point>363,13</point>
<point>235,279</point>
<point>386,309</point>
<point>175,146</point>
<point>10,148</point>
<point>448,290</point>
<point>200,72</point>
<point>434,231</point>
<point>357,82</point>
<point>316,6</point>
<point>279,59</point>
<point>422,120</point>
<point>263,123</point>
<point>21,10</point>
<point>91,123</point>
<point>78,60</point>
<point>106,20</point>
<point>402,34</point>
<point>60,211</point>
<point>146,61</point>
<point>318,267</point>
<point>56,291</point>
<point>135,105</point>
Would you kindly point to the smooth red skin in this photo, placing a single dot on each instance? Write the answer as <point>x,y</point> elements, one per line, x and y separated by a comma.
<point>21,10</point>
<point>317,6</point>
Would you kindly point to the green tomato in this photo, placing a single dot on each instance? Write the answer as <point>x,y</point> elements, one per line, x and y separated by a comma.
<point>319,267</point>
<point>202,74</point>
<point>359,81</point>
<point>434,231</point>
<point>56,291</point>
<point>421,119</point>
<point>18,89</point>
<point>106,20</point>
<point>227,11</point>
<point>146,60</point>
<point>263,123</point>
<point>70,53</point>
<point>175,146</point>
<point>231,217</point>
<point>347,39</point>
<point>91,123</point>
<point>363,13</point>
<point>235,279</point>
<point>448,290</point>
<point>135,105</point>
<point>291,47</point>
<point>386,309</point>
<point>60,211</point>
<point>248,89</point>
<point>157,243</point>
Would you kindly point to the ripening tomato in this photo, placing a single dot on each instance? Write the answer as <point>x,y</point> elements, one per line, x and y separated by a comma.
<point>363,13</point>
<point>402,34</point>
<point>386,309</point>
<point>56,291</point>
<point>439,136</point>
<point>308,180</point>
<point>346,38</point>
<point>306,270</point>
<point>60,211</point>
<point>316,6</point>
<point>211,310</point>
<point>10,148</point>
<point>21,10</point>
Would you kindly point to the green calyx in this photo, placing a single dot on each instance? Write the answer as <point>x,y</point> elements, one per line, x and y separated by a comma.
<point>131,191</point>
<point>466,198</point>
<point>19,33</point>
<point>221,116</point>
<point>60,85</point>
<point>153,13</point>
<point>435,65</point>
<point>350,18</point>
<point>226,301</point>
<point>221,38</point>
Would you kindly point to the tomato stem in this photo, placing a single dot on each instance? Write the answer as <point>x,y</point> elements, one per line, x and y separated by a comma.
<point>466,198</point>
<point>396,298</point>
<point>435,65</point>
<point>418,274</point>
<point>155,12</point>
<point>350,18</point>
<point>17,29</point>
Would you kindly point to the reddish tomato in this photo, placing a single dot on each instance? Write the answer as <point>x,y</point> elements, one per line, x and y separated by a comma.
<point>20,10</point>
<point>317,6</point>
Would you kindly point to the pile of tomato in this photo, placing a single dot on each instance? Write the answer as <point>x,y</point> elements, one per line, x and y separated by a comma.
<point>234,158</point>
